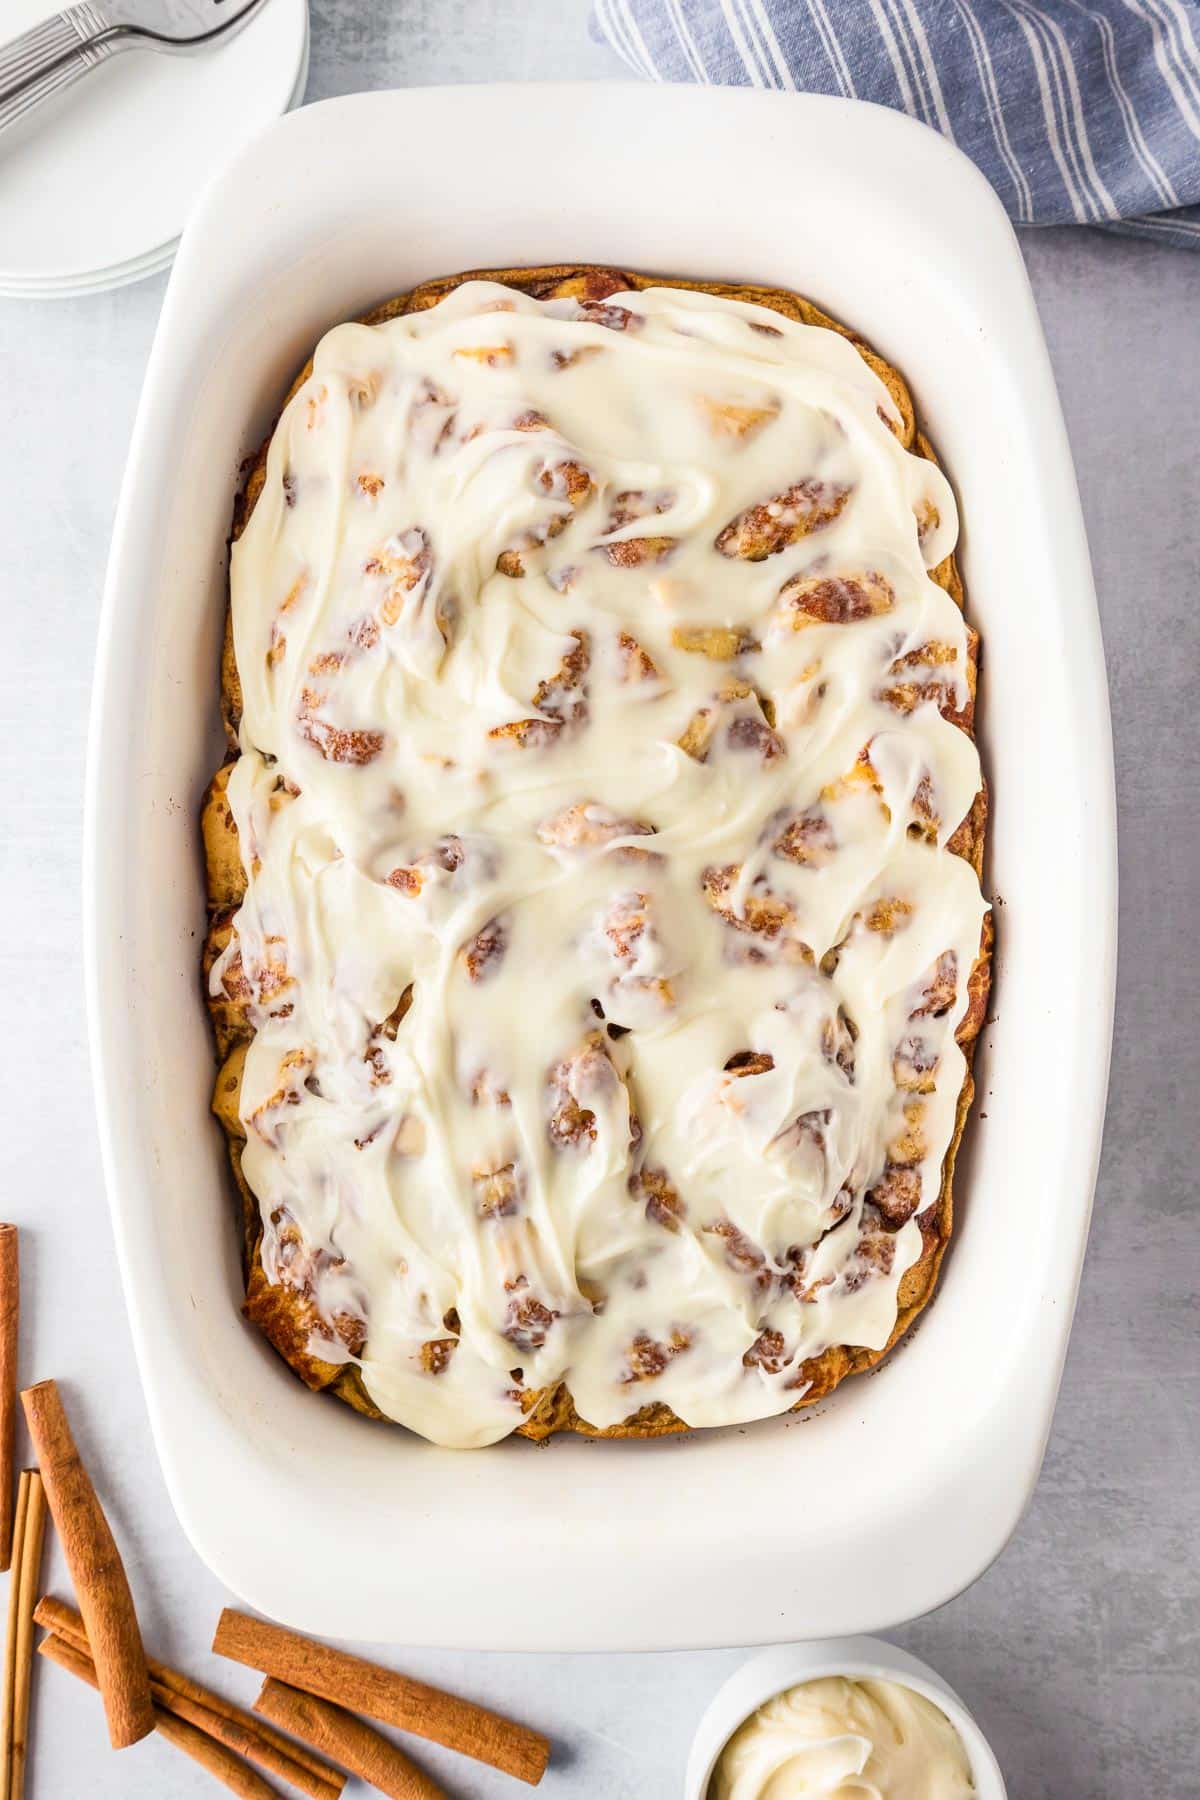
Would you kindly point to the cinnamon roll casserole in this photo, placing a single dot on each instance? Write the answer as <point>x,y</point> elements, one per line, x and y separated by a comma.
<point>597,946</point>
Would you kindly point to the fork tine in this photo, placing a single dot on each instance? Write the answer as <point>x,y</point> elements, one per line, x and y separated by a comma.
<point>75,40</point>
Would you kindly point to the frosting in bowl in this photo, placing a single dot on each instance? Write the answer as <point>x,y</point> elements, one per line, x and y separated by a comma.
<point>842,1739</point>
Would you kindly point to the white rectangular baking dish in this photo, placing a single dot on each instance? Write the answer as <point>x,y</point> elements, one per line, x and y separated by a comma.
<point>901,1490</point>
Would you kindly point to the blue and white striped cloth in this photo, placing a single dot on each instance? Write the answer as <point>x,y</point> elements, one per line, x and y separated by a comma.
<point>1078,111</point>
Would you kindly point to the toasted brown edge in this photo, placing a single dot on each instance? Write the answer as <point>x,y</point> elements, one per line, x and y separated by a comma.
<point>280,1312</point>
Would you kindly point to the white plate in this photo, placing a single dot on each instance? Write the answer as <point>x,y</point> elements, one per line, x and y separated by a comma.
<point>859,1659</point>
<point>904,1486</point>
<point>105,174</point>
<point>138,268</point>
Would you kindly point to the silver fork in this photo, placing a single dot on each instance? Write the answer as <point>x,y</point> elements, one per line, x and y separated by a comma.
<point>60,51</point>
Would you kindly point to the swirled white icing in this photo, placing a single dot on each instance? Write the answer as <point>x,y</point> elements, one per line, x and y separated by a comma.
<point>594,692</point>
<point>837,1739</point>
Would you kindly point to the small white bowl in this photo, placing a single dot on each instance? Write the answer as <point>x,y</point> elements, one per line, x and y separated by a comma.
<point>859,1658</point>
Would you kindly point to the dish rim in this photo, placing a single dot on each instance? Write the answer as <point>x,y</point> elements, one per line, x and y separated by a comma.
<point>125,1161</point>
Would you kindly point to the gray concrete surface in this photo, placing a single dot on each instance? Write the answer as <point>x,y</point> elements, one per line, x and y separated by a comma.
<point>1079,1650</point>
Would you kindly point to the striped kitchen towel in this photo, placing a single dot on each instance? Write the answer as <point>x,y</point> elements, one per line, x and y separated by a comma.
<point>1077,111</point>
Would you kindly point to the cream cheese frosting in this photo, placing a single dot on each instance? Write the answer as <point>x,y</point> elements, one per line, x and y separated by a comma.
<point>594,795</point>
<point>838,1739</point>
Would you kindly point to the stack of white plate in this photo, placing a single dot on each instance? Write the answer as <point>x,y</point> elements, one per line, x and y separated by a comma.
<point>97,184</point>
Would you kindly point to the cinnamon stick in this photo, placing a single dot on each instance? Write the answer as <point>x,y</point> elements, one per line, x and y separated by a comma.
<point>221,1763</point>
<point>366,1687</point>
<point>10,1309</point>
<point>96,1569</point>
<point>217,1717</point>
<point>26,1579</point>
<point>8,1697</point>
<point>354,1744</point>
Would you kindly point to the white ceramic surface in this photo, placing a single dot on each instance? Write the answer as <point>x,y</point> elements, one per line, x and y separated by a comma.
<point>95,186</point>
<point>901,1490</point>
<point>137,268</point>
<point>859,1658</point>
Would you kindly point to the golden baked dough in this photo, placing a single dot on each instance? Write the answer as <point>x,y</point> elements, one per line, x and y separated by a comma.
<point>285,1312</point>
